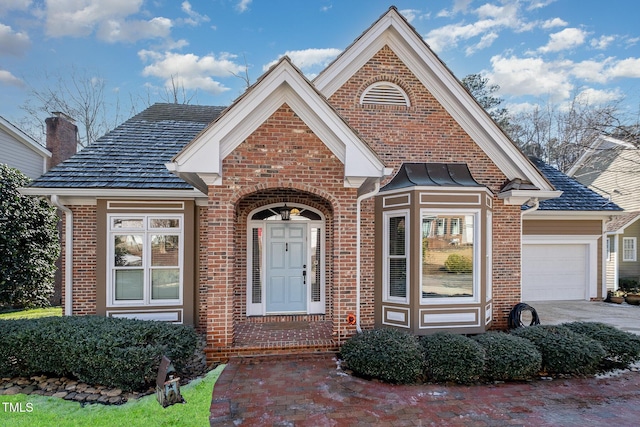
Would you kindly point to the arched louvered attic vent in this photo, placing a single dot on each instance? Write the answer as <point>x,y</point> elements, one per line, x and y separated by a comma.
<point>384,93</point>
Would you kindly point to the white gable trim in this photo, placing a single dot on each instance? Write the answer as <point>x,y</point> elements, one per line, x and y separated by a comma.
<point>22,137</point>
<point>200,162</point>
<point>392,30</point>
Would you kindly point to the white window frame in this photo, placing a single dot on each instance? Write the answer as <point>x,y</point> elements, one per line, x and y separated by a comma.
<point>386,288</point>
<point>630,254</point>
<point>147,232</point>
<point>477,255</point>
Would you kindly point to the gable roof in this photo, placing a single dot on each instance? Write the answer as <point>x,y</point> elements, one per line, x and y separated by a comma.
<point>575,196</point>
<point>620,222</point>
<point>601,149</point>
<point>133,155</point>
<point>200,162</point>
<point>393,30</point>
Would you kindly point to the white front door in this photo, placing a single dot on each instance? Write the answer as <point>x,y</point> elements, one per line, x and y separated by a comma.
<point>286,275</point>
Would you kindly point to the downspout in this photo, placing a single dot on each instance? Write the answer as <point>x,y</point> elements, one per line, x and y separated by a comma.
<point>68,254</point>
<point>536,205</point>
<point>361,198</point>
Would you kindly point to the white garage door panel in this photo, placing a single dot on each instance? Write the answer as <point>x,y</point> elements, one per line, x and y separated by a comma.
<point>554,272</point>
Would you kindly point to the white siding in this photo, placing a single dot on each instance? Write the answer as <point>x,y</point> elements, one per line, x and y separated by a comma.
<point>16,154</point>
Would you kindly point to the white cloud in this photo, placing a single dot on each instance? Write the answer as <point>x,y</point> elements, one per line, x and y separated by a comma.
<point>590,70</point>
<point>111,20</point>
<point>12,42</point>
<point>602,42</point>
<point>190,71</point>
<point>6,78</point>
<point>459,6</point>
<point>22,5</point>
<point>629,68</point>
<point>308,58</point>
<point>410,14</point>
<point>493,19</point>
<point>530,76</point>
<point>592,96</point>
<point>553,23</point>
<point>485,41</point>
<point>243,5</point>
<point>80,17</point>
<point>563,40</point>
<point>194,17</point>
<point>539,4</point>
<point>131,31</point>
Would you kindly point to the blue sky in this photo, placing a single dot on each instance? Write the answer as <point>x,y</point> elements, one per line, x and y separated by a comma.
<point>537,51</point>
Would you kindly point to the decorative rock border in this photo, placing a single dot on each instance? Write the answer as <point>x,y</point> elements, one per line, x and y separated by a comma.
<point>67,389</point>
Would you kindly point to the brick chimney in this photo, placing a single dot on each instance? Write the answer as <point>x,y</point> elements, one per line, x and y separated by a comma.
<point>62,138</point>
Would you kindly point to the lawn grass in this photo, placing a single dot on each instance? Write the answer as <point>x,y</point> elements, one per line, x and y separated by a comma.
<point>51,411</point>
<point>6,314</point>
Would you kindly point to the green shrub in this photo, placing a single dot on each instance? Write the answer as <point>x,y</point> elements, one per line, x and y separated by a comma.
<point>452,357</point>
<point>563,351</point>
<point>621,348</point>
<point>390,355</point>
<point>122,353</point>
<point>456,263</point>
<point>508,357</point>
<point>29,243</point>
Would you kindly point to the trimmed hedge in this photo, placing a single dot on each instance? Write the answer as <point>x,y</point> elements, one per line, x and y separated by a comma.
<point>391,355</point>
<point>621,348</point>
<point>508,357</point>
<point>452,357</point>
<point>564,351</point>
<point>122,353</point>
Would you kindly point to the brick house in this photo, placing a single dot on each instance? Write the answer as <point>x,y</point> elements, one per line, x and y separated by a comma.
<point>379,194</point>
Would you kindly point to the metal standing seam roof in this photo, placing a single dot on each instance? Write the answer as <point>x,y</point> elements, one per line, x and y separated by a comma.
<point>575,196</point>
<point>432,174</point>
<point>133,155</point>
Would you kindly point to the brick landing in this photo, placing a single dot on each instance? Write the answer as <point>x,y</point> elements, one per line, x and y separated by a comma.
<point>313,391</point>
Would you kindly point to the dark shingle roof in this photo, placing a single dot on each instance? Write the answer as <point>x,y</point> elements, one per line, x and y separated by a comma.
<point>134,154</point>
<point>575,196</point>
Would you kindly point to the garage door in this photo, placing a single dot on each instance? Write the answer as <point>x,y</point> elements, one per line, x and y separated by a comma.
<point>554,272</point>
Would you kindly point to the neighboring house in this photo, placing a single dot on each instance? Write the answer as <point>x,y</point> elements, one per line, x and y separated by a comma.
<point>20,151</point>
<point>610,167</point>
<point>379,194</point>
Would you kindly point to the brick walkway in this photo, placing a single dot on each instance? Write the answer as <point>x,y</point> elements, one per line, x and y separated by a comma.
<point>312,391</point>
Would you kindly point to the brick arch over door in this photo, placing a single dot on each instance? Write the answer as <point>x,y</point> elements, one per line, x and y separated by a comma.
<point>263,197</point>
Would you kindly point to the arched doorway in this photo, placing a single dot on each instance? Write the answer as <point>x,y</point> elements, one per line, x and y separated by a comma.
<point>285,260</point>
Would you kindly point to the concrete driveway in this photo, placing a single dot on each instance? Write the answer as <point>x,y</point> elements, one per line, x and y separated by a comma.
<point>622,316</point>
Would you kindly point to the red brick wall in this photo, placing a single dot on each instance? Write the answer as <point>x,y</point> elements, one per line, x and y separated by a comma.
<point>425,132</point>
<point>84,259</point>
<point>281,161</point>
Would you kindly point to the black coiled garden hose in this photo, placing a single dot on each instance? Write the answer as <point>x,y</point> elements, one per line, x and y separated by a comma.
<point>515,316</point>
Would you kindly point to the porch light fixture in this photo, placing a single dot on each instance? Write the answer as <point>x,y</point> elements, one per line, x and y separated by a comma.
<point>285,213</point>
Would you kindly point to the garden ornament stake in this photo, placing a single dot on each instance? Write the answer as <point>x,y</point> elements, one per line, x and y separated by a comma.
<point>167,387</point>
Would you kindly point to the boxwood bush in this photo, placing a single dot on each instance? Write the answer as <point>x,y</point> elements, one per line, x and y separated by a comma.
<point>621,348</point>
<point>390,355</point>
<point>452,357</point>
<point>122,353</point>
<point>508,357</point>
<point>564,351</point>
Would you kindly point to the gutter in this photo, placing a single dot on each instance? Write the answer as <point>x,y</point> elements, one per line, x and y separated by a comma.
<point>68,254</point>
<point>359,201</point>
